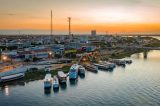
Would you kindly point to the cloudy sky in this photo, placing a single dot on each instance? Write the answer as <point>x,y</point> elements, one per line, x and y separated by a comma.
<point>102,15</point>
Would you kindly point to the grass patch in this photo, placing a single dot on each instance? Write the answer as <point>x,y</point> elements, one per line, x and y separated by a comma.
<point>35,74</point>
<point>65,69</point>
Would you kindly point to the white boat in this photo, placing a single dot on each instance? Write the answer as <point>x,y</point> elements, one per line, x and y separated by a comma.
<point>62,77</point>
<point>48,81</point>
<point>55,82</point>
<point>11,77</point>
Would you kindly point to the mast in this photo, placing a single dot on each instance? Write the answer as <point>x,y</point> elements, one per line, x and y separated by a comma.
<point>51,24</point>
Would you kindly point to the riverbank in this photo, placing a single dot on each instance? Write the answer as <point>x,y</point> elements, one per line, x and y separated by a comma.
<point>35,74</point>
<point>119,53</point>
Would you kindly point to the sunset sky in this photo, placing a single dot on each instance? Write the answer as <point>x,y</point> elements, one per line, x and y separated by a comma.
<point>103,15</point>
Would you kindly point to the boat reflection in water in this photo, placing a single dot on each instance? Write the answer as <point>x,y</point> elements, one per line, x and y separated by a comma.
<point>82,76</point>
<point>6,91</point>
<point>47,91</point>
<point>63,86</point>
<point>55,90</point>
<point>6,85</point>
<point>73,82</point>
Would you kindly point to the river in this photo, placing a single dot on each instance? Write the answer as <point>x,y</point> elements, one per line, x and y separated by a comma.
<point>136,84</point>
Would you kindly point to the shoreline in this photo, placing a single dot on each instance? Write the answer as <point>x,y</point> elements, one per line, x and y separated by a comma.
<point>40,74</point>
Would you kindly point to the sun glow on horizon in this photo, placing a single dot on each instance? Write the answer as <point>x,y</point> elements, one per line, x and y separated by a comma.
<point>102,15</point>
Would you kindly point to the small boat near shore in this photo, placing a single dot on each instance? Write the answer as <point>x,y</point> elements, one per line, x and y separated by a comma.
<point>48,81</point>
<point>81,70</point>
<point>55,82</point>
<point>11,77</point>
<point>73,72</point>
<point>102,66</point>
<point>118,62</point>
<point>62,77</point>
<point>128,61</point>
<point>111,65</point>
<point>91,68</point>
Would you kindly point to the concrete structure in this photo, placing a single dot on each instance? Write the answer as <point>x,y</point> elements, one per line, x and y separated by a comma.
<point>93,33</point>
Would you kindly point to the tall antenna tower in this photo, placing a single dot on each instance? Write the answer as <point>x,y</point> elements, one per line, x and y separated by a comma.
<point>51,24</point>
<point>69,20</point>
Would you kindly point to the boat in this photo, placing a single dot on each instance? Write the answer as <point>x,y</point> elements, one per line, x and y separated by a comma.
<point>48,81</point>
<point>118,62</point>
<point>62,77</point>
<point>102,66</point>
<point>12,77</point>
<point>55,82</point>
<point>81,70</point>
<point>110,65</point>
<point>128,61</point>
<point>73,72</point>
<point>91,67</point>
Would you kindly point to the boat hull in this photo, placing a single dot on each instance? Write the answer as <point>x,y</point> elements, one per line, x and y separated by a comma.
<point>91,69</point>
<point>55,86</point>
<point>102,67</point>
<point>47,85</point>
<point>81,73</point>
<point>73,75</point>
<point>12,78</point>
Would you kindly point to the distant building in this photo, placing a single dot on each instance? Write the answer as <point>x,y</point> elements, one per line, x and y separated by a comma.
<point>93,33</point>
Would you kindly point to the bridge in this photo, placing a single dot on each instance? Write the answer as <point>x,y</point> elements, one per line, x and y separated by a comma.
<point>133,47</point>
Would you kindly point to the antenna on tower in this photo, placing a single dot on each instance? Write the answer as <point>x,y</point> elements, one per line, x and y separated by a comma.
<point>51,23</point>
<point>69,20</point>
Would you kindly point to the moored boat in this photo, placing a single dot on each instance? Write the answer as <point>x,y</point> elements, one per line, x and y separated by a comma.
<point>128,61</point>
<point>62,77</point>
<point>73,72</point>
<point>91,67</point>
<point>55,82</point>
<point>109,64</point>
<point>81,70</point>
<point>11,77</point>
<point>102,66</point>
<point>118,62</point>
<point>48,81</point>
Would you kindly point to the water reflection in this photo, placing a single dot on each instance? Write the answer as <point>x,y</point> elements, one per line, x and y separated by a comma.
<point>5,86</point>
<point>13,83</point>
<point>73,82</point>
<point>63,86</point>
<point>5,90</point>
<point>47,91</point>
<point>145,54</point>
<point>108,70</point>
<point>82,76</point>
<point>56,90</point>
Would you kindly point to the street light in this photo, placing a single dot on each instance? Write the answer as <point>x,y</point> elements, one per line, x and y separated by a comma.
<point>4,58</point>
<point>50,54</point>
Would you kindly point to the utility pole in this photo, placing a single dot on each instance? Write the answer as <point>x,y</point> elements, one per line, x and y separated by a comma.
<point>69,20</point>
<point>51,23</point>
